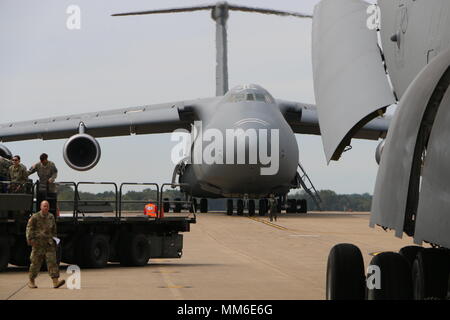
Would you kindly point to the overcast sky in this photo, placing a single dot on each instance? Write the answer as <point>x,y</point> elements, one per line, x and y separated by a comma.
<point>115,62</point>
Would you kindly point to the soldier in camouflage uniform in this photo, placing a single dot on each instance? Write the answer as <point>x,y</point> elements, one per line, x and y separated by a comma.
<point>4,166</point>
<point>18,175</point>
<point>41,229</point>
<point>273,210</point>
<point>47,172</point>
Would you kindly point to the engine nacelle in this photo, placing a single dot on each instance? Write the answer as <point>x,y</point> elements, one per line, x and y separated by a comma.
<point>5,152</point>
<point>379,151</point>
<point>81,152</point>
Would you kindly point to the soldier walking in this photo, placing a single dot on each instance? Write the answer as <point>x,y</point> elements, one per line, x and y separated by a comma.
<point>273,208</point>
<point>41,229</point>
<point>47,173</point>
<point>18,175</point>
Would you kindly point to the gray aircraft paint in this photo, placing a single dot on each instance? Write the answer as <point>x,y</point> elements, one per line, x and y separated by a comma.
<point>350,83</point>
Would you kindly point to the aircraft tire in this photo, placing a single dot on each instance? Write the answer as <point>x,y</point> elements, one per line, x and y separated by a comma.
<point>134,249</point>
<point>166,205</point>
<point>395,277</point>
<point>251,207</point>
<point>4,253</point>
<point>240,207</point>
<point>410,253</point>
<point>430,274</point>
<point>178,205</point>
<point>230,207</point>
<point>204,205</point>
<point>262,207</point>
<point>345,273</point>
<point>292,206</point>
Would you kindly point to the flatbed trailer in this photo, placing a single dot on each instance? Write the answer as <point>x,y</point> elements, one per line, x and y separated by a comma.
<point>94,240</point>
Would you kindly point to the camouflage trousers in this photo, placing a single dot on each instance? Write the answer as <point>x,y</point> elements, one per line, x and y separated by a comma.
<point>38,254</point>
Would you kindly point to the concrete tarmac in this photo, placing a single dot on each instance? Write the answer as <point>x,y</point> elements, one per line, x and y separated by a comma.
<point>226,257</point>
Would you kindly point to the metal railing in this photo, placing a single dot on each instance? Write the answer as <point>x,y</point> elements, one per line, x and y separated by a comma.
<point>121,201</point>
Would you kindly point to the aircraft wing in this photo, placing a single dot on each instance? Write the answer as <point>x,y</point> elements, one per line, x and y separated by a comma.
<point>158,118</point>
<point>303,118</point>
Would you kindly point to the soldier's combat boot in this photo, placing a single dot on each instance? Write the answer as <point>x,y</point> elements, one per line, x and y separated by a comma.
<point>57,283</point>
<point>31,284</point>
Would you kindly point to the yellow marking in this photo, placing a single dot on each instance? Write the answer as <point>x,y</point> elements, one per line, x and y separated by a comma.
<point>373,254</point>
<point>269,224</point>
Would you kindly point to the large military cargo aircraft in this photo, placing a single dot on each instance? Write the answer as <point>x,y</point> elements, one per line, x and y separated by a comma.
<point>253,153</point>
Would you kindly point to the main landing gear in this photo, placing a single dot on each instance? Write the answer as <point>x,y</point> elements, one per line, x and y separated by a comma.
<point>412,273</point>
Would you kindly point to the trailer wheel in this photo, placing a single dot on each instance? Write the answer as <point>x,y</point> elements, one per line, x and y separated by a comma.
<point>4,253</point>
<point>395,277</point>
<point>20,253</point>
<point>94,251</point>
<point>345,273</point>
<point>430,274</point>
<point>134,250</point>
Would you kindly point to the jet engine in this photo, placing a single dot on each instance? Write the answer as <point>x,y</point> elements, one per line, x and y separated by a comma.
<point>379,151</point>
<point>4,152</point>
<point>81,152</point>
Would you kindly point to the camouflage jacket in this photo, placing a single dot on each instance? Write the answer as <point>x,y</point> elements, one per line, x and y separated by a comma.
<point>41,229</point>
<point>4,166</point>
<point>44,173</point>
<point>18,174</point>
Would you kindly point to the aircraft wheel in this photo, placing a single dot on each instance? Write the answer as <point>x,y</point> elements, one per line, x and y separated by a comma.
<point>394,278</point>
<point>240,207</point>
<point>166,205</point>
<point>410,253</point>
<point>251,207</point>
<point>204,205</point>
<point>345,273</point>
<point>262,207</point>
<point>230,207</point>
<point>193,207</point>
<point>292,206</point>
<point>178,205</point>
<point>430,274</point>
<point>4,252</point>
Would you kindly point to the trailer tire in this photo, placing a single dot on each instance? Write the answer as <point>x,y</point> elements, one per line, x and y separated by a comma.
<point>4,253</point>
<point>94,251</point>
<point>20,253</point>
<point>134,250</point>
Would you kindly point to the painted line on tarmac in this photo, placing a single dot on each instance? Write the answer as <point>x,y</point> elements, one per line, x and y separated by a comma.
<point>17,291</point>
<point>269,224</point>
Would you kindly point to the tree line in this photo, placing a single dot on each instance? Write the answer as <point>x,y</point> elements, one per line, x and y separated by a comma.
<point>331,201</point>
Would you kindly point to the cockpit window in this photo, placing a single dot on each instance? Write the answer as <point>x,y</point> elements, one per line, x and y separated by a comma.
<point>248,93</point>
